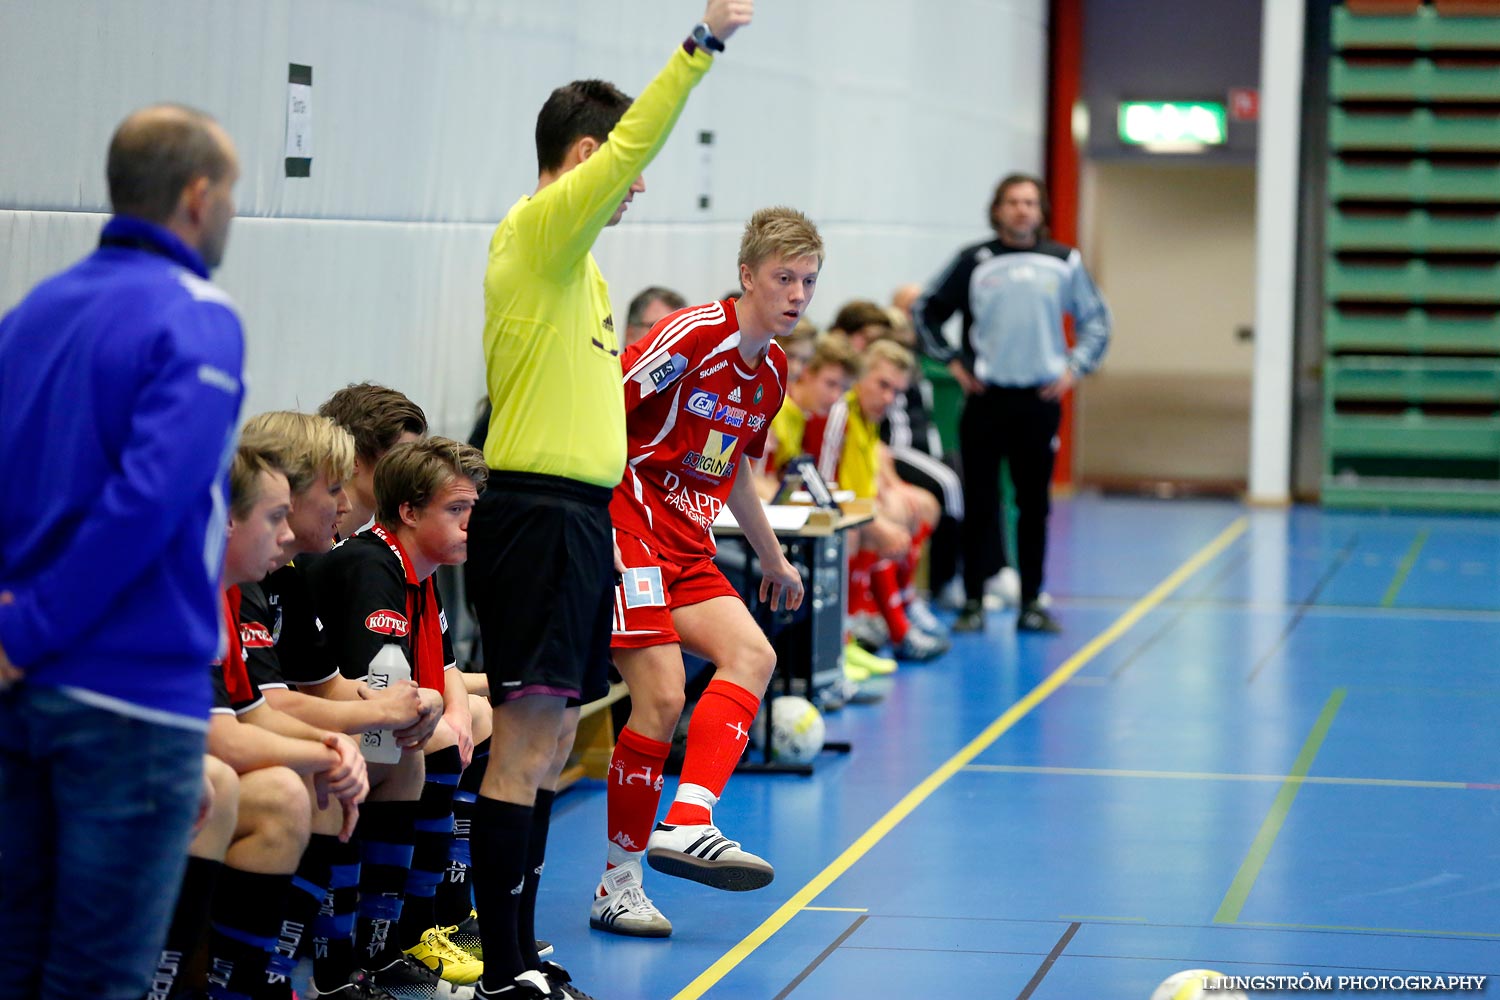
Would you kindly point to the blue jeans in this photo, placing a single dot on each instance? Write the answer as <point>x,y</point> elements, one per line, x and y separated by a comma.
<point>96,811</point>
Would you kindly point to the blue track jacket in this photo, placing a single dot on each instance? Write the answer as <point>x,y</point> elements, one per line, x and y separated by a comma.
<point>120,388</point>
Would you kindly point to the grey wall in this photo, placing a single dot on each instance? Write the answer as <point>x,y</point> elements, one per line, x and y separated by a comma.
<point>888,121</point>
<point>1142,50</point>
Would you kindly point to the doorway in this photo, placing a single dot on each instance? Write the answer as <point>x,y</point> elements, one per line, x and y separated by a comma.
<point>1172,248</point>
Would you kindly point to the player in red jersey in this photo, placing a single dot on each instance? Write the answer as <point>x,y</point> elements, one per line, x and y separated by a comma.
<point>700,392</point>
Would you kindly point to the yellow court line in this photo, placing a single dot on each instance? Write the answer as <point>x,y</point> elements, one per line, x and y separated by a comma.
<point>1301,779</point>
<point>867,840</point>
<point>1404,570</point>
<point>1260,848</point>
<point>837,909</point>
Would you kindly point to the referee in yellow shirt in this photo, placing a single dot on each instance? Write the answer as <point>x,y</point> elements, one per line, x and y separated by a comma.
<point>541,561</point>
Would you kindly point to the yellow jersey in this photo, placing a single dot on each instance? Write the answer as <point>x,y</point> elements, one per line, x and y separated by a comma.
<point>848,448</point>
<point>787,428</point>
<point>552,359</point>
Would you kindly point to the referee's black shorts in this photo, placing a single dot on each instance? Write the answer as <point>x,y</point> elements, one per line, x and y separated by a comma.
<point>541,575</point>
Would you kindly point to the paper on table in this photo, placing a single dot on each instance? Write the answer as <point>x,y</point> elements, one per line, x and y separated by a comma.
<point>788,517</point>
<point>839,496</point>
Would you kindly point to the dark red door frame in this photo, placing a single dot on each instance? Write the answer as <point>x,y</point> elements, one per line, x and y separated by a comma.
<point>1064,75</point>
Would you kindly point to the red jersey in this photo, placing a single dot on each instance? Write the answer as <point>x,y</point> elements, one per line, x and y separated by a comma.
<point>693,412</point>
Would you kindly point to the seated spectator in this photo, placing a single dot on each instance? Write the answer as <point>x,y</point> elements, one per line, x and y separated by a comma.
<point>847,446</point>
<point>798,345</point>
<point>826,377</point>
<point>916,451</point>
<point>378,588</point>
<point>863,322</point>
<point>378,419</point>
<point>320,457</point>
<point>823,382</point>
<point>285,766</point>
<point>647,309</point>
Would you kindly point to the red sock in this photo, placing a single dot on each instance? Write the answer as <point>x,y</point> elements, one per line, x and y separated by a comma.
<point>888,595</point>
<point>634,789</point>
<point>906,567</point>
<point>861,597</point>
<point>716,740</point>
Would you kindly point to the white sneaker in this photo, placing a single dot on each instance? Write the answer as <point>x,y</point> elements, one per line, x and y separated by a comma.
<point>920,646</point>
<point>869,630</point>
<point>701,853</point>
<point>527,986</point>
<point>1003,590</point>
<point>621,906</point>
<point>919,613</point>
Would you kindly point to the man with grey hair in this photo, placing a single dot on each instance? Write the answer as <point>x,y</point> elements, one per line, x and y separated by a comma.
<point>648,308</point>
<point>120,385</point>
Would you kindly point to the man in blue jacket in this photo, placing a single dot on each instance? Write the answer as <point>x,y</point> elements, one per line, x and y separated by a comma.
<point>120,386</point>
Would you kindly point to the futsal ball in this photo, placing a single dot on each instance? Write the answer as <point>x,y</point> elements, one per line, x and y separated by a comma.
<point>796,730</point>
<point>1188,985</point>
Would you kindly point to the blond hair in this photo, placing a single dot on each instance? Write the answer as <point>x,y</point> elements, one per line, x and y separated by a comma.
<point>779,232</point>
<point>889,350</point>
<point>244,477</point>
<point>415,472</point>
<point>833,349</point>
<point>805,332</point>
<point>306,444</point>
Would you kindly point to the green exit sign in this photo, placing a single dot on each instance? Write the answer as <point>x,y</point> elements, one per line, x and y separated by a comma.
<point>1172,125</point>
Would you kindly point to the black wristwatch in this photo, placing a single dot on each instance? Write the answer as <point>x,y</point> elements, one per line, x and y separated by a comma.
<point>704,38</point>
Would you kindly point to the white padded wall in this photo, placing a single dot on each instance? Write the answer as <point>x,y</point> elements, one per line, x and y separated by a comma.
<point>887,121</point>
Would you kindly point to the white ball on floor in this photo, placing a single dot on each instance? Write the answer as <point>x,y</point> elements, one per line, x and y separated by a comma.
<point>1188,985</point>
<point>796,730</point>
<point>1004,587</point>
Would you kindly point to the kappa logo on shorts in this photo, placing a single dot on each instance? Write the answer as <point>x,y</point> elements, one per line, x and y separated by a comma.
<point>643,588</point>
<point>701,402</point>
<point>254,635</point>
<point>387,622</point>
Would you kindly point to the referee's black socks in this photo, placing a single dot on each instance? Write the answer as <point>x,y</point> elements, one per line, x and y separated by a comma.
<point>501,834</point>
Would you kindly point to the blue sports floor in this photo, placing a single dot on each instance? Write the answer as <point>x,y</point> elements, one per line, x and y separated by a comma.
<point>1265,744</point>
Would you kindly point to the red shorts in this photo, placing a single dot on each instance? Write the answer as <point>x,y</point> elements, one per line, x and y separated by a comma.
<point>652,587</point>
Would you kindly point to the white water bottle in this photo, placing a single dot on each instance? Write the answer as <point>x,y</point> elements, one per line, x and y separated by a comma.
<point>388,667</point>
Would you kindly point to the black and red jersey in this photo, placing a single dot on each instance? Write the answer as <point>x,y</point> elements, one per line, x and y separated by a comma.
<point>234,691</point>
<point>283,603</point>
<point>367,597</point>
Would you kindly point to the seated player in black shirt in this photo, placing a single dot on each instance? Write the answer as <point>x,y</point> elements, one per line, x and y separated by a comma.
<point>378,588</point>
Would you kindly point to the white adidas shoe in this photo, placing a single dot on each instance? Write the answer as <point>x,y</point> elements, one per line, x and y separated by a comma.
<point>700,853</point>
<point>621,906</point>
<point>920,614</point>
